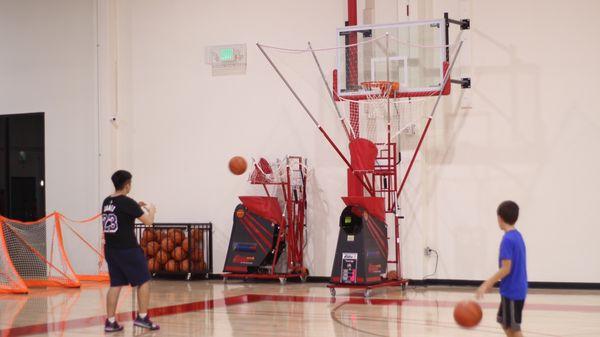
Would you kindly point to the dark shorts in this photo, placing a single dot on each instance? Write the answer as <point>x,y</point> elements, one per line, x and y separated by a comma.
<point>510,313</point>
<point>127,266</point>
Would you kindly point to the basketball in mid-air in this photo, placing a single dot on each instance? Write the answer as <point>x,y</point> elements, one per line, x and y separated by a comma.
<point>467,314</point>
<point>237,165</point>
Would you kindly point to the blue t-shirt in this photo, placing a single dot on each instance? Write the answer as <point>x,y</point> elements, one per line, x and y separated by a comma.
<point>514,285</point>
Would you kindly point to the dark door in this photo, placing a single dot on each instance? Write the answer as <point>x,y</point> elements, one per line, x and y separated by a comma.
<point>23,201</point>
<point>22,166</point>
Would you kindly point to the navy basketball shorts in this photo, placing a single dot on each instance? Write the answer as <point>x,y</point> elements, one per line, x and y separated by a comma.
<point>510,313</point>
<point>127,266</point>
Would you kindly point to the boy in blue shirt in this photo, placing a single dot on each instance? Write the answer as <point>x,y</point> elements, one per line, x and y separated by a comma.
<point>513,271</point>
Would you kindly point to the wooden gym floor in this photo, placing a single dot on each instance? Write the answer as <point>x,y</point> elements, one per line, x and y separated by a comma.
<point>203,308</point>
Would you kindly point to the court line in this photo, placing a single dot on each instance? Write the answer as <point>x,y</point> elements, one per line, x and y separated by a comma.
<point>255,298</point>
<point>422,303</point>
<point>124,316</point>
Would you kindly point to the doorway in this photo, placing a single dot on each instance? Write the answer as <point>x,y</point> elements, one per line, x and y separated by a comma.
<point>22,166</point>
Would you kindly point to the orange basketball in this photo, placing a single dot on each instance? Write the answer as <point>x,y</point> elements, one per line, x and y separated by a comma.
<point>172,266</point>
<point>160,234</point>
<point>153,265</point>
<point>179,254</point>
<point>143,242</point>
<point>185,265</point>
<point>237,165</point>
<point>199,266</point>
<point>185,245</point>
<point>162,257</point>
<point>392,275</point>
<point>467,314</point>
<point>170,232</point>
<point>148,235</point>
<point>145,250</point>
<point>152,248</point>
<point>196,255</point>
<point>176,235</point>
<point>197,234</point>
<point>167,245</point>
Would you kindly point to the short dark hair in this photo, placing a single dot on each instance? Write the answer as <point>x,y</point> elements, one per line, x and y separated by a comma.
<point>120,179</point>
<point>508,211</point>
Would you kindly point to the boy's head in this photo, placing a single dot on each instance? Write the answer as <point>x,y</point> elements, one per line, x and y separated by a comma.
<point>122,181</point>
<point>508,213</point>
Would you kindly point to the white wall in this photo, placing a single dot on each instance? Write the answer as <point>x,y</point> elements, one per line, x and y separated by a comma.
<point>182,125</point>
<point>48,64</point>
<point>529,134</point>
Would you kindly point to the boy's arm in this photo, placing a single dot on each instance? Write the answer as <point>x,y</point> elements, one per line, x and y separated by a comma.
<point>489,283</point>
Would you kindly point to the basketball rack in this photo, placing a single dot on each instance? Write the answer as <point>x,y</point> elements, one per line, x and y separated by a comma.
<point>288,176</point>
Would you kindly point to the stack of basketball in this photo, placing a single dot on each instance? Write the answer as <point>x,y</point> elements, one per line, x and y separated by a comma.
<point>172,250</point>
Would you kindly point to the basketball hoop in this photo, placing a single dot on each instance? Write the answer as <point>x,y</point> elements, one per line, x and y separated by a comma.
<point>385,88</point>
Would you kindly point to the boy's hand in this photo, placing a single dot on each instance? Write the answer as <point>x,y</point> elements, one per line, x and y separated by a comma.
<point>151,208</point>
<point>483,288</point>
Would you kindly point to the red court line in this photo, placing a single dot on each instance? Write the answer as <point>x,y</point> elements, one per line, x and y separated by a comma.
<point>123,317</point>
<point>255,298</point>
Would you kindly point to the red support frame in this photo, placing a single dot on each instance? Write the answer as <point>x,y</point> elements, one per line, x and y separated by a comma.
<point>382,180</point>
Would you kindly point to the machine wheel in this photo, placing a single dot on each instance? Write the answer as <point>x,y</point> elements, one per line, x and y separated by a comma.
<point>282,280</point>
<point>188,277</point>
<point>332,292</point>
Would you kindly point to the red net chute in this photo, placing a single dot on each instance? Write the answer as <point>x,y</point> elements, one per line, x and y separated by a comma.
<point>263,173</point>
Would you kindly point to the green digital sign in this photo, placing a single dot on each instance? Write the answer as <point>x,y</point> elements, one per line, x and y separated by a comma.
<point>348,219</point>
<point>226,54</point>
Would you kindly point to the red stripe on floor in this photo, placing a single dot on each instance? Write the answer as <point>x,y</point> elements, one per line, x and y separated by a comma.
<point>254,298</point>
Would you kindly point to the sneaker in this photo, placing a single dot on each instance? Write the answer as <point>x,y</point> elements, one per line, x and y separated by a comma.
<point>112,327</point>
<point>145,323</point>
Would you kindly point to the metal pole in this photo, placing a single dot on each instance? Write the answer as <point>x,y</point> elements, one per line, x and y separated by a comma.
<point>289,86</point>
<point>429,119</point>
<point>390,163</point>
<point>350,135</point>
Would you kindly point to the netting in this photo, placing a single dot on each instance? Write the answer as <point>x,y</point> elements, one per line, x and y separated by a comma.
<point>404,117</point>
<point>53,251</point>
<point>265,172</point>
<point>380,78</point>
<point>83,242</point>
<point>10,280</point>
<point>386,87</point>
<point>37,253</point>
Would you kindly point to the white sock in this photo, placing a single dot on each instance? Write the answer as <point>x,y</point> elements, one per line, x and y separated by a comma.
<point>111,319</point>
<point>142,315</point>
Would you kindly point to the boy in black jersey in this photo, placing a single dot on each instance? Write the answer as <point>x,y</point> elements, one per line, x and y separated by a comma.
<point>126,262</point>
